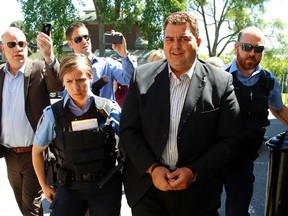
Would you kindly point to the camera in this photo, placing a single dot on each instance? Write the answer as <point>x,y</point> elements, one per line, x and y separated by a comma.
<point>112,39</point>
<point>46,28</point>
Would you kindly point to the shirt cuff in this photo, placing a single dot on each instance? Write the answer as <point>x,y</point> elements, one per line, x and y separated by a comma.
<point>51,65</point>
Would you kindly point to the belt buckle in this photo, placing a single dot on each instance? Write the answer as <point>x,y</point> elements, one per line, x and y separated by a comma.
<point>18,150</point>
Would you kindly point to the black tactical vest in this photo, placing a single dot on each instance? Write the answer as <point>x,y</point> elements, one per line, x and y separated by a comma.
<point>86,151</point>
<point>253,101</point>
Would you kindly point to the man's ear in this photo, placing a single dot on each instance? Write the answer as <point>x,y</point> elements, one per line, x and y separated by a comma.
<point>236,46</point>
<point>2,48</point>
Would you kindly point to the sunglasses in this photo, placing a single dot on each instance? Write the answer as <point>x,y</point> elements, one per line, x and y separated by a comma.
<point>248,47</point>
<point>78,39</point>
<point>21,44</point>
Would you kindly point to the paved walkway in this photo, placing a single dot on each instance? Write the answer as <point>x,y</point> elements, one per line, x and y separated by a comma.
<point>9,207</point>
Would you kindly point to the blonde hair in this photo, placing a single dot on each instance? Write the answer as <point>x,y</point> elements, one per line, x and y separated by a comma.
<point>74,60</point>
<point>216,61</point>
<point>156,55</point>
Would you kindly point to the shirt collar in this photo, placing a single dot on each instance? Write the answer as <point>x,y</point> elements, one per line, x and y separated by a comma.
<point>94,59</point>
<point>6,70</point>
<point>69,101</point>
<point>189,72</point>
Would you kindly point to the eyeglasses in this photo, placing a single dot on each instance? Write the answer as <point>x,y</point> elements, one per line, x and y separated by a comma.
<point>21,44</point>
<point>78,39</point>
<point>248,47</point>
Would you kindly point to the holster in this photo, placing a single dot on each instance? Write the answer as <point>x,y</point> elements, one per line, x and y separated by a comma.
<point>50,167</point>
<point>63,177</point>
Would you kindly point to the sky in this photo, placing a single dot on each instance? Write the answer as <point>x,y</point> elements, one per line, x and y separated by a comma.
<point>274,9</point>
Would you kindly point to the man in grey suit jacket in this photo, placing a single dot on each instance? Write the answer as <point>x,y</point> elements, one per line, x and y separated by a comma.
<point>24,92</point>
<point>178,129</point>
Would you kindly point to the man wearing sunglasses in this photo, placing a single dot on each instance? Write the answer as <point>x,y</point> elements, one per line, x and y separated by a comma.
<point>257,90</point>
<point>24,90</point>
<point>78,39</point>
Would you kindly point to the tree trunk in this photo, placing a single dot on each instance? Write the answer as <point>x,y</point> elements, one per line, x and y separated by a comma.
<point>101,44</point>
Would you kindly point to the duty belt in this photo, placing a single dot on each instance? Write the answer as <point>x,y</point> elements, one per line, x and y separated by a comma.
<point>87,177</point>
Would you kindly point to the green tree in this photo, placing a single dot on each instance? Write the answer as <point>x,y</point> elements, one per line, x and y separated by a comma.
<point>223,19</point>
<point>148,15</point>
<point>18,24</point>
<point>153,17</point>
<point>59,12</point>
<point>119,13</point>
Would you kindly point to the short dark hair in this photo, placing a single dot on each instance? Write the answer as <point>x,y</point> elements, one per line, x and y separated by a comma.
<point>73,26</point>
<point>182,17</point>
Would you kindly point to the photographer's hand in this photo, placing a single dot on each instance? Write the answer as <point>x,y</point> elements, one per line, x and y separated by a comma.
<point>121,49</point>
<point>45,45</point>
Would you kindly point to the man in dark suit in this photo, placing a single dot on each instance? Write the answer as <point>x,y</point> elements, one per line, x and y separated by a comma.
<point>24,92</point>
<point>178,129</point>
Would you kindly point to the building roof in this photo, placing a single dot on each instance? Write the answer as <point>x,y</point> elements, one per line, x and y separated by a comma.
<point>89,16</point>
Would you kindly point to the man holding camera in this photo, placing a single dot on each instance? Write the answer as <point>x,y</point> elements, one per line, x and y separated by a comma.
<point>24,90</point>
<point>78,39</point>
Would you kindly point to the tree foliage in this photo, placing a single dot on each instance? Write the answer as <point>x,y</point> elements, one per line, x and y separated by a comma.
<point>153,16</point>
<point>119,13</point>
<point>59,12</point>
<point>148,15</point>
<point>223,19</point>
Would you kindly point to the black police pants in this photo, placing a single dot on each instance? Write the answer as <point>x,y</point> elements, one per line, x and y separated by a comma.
<point>76,199</point>
<point>239,188</point>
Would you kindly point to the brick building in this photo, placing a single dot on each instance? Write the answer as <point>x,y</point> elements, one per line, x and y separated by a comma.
<point>134,42</point>
<point>91,23</point>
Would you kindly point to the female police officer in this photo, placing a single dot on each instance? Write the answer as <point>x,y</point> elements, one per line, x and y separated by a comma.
<point>81,126</point>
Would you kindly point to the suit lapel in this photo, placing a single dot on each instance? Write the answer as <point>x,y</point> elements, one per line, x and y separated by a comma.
<point>195,90</point>
<point>162,99</point>
<point>2,75</point>
<point>27,75</point>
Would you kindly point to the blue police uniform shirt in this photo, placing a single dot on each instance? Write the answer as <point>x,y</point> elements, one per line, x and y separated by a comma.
<point>275,97</point>
<point>116,71</point>
<point>45,133</point>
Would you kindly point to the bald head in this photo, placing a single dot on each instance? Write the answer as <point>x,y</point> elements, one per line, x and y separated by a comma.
<point>252,31</point>
<point>14,47</point>
<point>15,32</point>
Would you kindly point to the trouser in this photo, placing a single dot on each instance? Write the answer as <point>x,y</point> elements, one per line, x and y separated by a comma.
<point>169,203</point>
<point>78,197</point>
<point>239,181</point>
<point>24,182</point>
<point>239,189</point>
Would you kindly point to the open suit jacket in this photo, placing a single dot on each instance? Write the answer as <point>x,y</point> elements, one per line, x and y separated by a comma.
<point>39,81</point>
<point>206,135</point>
